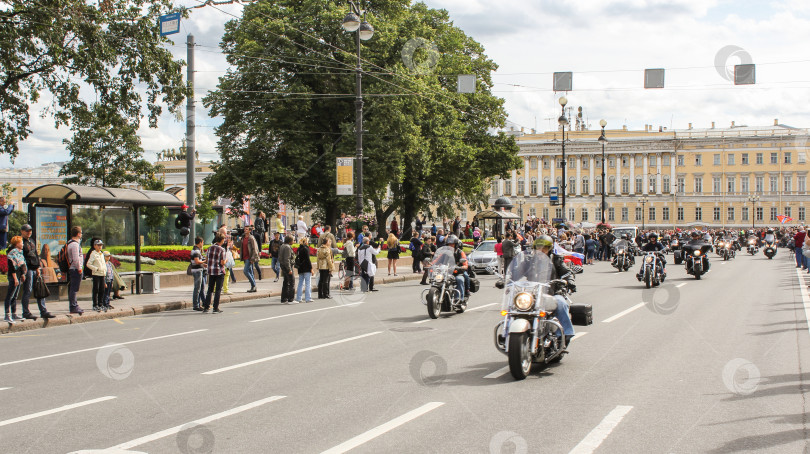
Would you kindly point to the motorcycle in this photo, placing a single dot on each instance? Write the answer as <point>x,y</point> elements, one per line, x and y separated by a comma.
<point>652,272</point>
<point>769,250</point>
<point>623,259</point>
<point>677,253</point>
<point>530,332</point>
<point>443,296</point>
<point>752,246</point>
<point>697,259</point>
<point>724,250</point>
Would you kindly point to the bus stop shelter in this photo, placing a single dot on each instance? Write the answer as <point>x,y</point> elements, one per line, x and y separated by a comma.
<point>50,211</point>
<point>495,220</point>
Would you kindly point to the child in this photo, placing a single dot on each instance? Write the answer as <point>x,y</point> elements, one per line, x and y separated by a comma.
<point>108,281</point>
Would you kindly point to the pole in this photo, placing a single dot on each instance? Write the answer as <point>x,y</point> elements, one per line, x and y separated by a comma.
<point>603,179</point>
<point>643,217</point>
<point>191,187</point>
<point>563,170</point>
<point>359,132</point>
<point>137,248</point>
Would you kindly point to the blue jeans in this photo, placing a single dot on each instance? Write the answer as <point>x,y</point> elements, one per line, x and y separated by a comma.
<point>198,296</point>
<point>800,260</point>
<point>74,280</point>
<point>107,292</point>
<point>28,286</point>
<point>11,297</point>
<point>461,283</point>
<point>304,283</point>
<point>249,273</point>
<point>275,265</point>
<point>562,315</point>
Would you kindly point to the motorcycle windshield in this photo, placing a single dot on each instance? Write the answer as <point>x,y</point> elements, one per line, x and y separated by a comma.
<point>444,260</point>
<point>621,245</point>
<point>529,267</point>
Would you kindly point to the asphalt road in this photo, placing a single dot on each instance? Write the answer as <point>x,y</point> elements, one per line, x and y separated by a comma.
<point>716,365</point>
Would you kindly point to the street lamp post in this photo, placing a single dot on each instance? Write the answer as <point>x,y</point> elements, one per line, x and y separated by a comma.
<point>353,23</point>
<point>643,200</point>
<point>563,121</point>
<point>603,139</point>
<point>753,199</point>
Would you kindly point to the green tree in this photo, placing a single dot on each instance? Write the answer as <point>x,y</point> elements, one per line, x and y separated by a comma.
<point>205,209</point>
<point>155,217</point>
<point>74,50</point>
<point>15,221</point>
<point>286,118</point>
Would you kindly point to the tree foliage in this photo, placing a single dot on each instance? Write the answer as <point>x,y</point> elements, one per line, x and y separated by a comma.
<point>77,50</point>
<point>288,110</point>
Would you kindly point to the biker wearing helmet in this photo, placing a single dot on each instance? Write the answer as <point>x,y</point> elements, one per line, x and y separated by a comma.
<point>769,238</point>
<point>653,245</point>
<point>462,278</point>
<point>545,245</point>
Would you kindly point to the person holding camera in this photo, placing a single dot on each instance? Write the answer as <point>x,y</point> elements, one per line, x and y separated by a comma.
<point>183,222</point>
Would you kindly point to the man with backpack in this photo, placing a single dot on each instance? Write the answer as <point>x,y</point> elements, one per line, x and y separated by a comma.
<point>32,264</point>
<point>71,261</point>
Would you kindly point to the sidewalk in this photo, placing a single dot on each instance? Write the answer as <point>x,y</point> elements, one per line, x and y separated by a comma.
<point>170,299</point>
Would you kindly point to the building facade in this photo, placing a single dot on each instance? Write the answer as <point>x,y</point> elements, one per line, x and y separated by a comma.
<point>723,178</point>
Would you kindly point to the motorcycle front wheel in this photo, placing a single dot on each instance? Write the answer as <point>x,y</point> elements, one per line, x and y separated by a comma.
<point>520,361</point>
<point>648,279</point>
<point>434,303</point>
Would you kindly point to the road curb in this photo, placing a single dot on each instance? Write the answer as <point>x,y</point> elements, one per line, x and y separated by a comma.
<point>121,312</point>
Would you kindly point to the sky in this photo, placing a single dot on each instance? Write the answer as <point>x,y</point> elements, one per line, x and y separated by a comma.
<point>607,44</point>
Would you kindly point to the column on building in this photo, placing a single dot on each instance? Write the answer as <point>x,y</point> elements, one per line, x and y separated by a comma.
<point>526,177</point>
<point>592,181</point>
<point>673,182</point>
<point>658,178</point>
<point>514,183</point>
<point>552,178</point>
<point>540,176</point>
<point>579,175</point>
<point>618,173</point>
<point>645,185</point>
<point>632,185</point>
<point>500,187</point>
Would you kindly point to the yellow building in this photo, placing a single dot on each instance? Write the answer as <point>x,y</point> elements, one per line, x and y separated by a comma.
<point>665,179</point>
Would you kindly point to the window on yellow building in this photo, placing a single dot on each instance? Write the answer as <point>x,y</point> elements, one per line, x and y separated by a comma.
<point>716,213</point>
<point>698,213</point>
<point>639,184</point>
<point>788,157</point>
<point>598,185</point>
<point>787,186</point>
<point>717,159</point>
<point>731,159</point>
<point>730,213</point>
<point>744,185</point>
<point>744,214</point>
<point>533,186</point>
<point>698,185</point>
<point>638,214</point>
<point>760,213</point>
<point>773,213</point>
<point>584,215</point>
<point>667,160</point>
<point>801,157</point>
<point>665,213</point>
<point>625,185</point>
<point>786,211</point>
<point>665,183</point>
<point>716,185</point>
<point>759,158</point>
<point>680,160</point>
<point>774,186</point>
<point>680,213</point>
<point>698,160</point>
<point>586,163</point>
<point>759,184</point>
<point>774,158</point>
<point>521,182</point>
<point>585,186</point>
<point>801,184</point>
<point>612,185</point>
<point>612,162</point>
<point>744,158</point>
<point>732,184</point>
<point>801,214</point>
<point>611,214</point>
<point>651,213</point>
<point>533,163</point>
<point>625,161</point>
<point>624,214</point>
<point>545,164</point>
<point>546,184</point>
<point>639,161</point>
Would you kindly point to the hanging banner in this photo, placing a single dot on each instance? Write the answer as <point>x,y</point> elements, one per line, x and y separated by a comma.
<point>345,176</point>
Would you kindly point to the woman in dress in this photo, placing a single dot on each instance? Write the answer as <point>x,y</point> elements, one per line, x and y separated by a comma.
<point>393,252</point>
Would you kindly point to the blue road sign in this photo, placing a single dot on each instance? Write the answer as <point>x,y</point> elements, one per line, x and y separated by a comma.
<point>169,24</point>
<point>552,195</point>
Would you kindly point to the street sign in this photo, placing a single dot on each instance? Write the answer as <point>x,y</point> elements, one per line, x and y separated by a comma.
<point>169,24</point>
<point>556,221</point>
<point>552,195</point>
<point>345,176</point>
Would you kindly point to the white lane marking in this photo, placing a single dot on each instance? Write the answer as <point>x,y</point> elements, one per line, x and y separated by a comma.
<point>805,297</point>
<point>623,313</point>
<point>306,312</point>
<point>206,420</point>
<point>578,335</point>
<point>282,355</point>
<point>55,410</point>
<point>498,373</point>
<point>99,348</point>
<point>723,263</point>
<point>3,389</point>
<point>383,428</point>
<point>601,432</point>
<point>424,321</point>
<point>481,307</point>
<point>680,285</point>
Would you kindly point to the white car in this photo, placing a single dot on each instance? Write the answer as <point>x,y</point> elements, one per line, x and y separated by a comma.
<point>484,257</point>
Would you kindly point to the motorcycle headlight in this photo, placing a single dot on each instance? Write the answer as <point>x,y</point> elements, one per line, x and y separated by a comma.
<point>674,242</point>
<point>648,259</point>
<point>728,245</point>
<point>751,242</point>
<point>439,277</point>
<point>620,252</point>
<point>720,244</point>
<point>697,252</point>
<point>524,301</point>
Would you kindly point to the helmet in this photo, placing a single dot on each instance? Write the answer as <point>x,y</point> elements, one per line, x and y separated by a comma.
<point>652,236</point>
<point>770,230</point>
<point>542,241</point>
<point>696,234</point>
<point>451,239</point>
<point>750,232</point>
<point>624,236</point>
